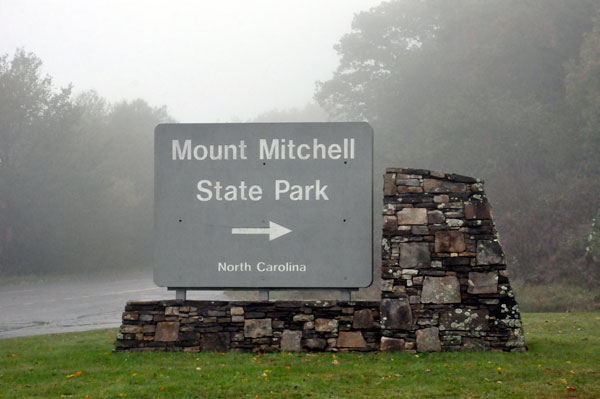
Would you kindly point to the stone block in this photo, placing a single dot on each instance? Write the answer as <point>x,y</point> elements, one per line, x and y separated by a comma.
<point>405,190</point>
<point>148,328</point>
<point>489,253</point>
<point>464,319</point>
<point>408,182</point>
<point>130,316</point>
<point>363,319</point>
<point>390,224</point>
<point>461,178</point>
<point>391,344</point>
<point>414,255</point>
<point>167,331</point>
<point>326,325</point>
<point>237,311</point>
<point>483,283</point>
<point>172,311</point>
<point>237,336</point>
<point>291,341</point>
<point>441,186</point>
<point>216,313</point>
<point>387,285</point>
<point>419,230</point>
<point>450,241</point>
<point>309,325</point>
<point>396,313</point>
<point>130,329</point>
<point>412,216</point>
<point>440,290</point>
<point>300,318</point>
<point>478,210</point>
<point>441,199</point>
<point>389,184</point>
<point>428,340</point>
<point>454,222</point>
<point>351,339</point>
<point>146,317</point>
<point>315,343</point>
<point>215,342</point>
<point>435,217</point>
<point>256,328</point>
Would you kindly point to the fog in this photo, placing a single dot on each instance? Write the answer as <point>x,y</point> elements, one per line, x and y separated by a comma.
<point>504,91</point>
<point>208,61</point>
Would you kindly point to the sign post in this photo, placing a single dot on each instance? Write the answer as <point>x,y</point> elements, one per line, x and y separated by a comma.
<point>263,206</point>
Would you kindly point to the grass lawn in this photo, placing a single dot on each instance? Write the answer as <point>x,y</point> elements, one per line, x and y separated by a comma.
<point>563,361</point>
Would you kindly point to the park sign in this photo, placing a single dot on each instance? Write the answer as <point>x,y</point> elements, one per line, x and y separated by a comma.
<point>263,205</point>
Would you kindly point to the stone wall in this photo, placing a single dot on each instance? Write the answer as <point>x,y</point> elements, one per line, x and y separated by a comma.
<point>442,261</point>
<point>444,286</point>
<point>264,326</point>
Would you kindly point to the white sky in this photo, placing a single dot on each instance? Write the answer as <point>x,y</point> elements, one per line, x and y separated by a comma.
<point>208,61</point>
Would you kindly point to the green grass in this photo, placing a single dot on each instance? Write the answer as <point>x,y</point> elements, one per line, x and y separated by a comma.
<point>564,351</point>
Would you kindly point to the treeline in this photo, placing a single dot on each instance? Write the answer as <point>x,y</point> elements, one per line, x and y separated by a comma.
<point>508,91</point>
<point>76,180</point>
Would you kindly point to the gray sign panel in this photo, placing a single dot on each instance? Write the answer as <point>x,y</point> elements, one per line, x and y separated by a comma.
<point>265,205</point>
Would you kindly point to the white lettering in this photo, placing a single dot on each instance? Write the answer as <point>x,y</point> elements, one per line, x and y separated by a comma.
<point>301,148</point>
<point>213,152</point>
<point>266,153</point>
<point>204,190</point>
<point>268,149</point>
<point>334,151</point>
<point>279,190</point>
<point>320,192</point>
<point>197,150</point>
<point>228,267</point>
<point>281,268</point>
<point>297,192</point>
<point>242,192</point>
<point>178,152</point>
<point>318,146</point>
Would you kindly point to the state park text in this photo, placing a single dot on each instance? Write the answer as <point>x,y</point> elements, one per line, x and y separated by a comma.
<point>272,150</point>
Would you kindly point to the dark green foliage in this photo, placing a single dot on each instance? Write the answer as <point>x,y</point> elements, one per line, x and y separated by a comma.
<point>502,90</point>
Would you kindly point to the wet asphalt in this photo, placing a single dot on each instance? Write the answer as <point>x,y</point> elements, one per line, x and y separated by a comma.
<point>77,305</point>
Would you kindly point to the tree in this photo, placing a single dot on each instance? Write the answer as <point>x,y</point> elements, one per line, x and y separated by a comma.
<point>75,175</point>
<point>31,114</point>
<point>583,95</point>
<point>478,87</point>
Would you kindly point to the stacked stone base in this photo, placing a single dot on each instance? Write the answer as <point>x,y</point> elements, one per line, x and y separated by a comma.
<point>296,326</point>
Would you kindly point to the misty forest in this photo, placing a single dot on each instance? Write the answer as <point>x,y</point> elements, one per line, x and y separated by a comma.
<point>507,91</point>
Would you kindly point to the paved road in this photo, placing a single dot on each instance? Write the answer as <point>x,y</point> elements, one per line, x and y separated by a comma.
<point>62,306</point>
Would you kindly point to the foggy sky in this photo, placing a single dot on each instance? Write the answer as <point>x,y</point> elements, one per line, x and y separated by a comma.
<point>208,61</point>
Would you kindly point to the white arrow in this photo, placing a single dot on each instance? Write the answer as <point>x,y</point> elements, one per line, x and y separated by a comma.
<point>274,230</point>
